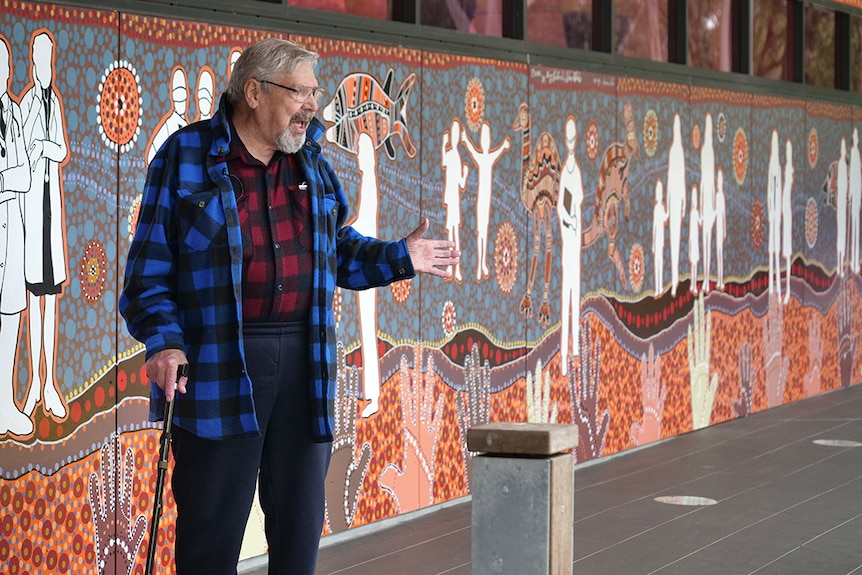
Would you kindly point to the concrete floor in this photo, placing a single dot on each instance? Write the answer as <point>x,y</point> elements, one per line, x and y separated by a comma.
<point>786,485</point>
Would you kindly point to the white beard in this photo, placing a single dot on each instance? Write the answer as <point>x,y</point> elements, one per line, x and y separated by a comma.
<point>290,143</point>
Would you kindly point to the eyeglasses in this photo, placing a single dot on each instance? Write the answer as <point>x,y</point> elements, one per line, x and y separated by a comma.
<point>301,94</point>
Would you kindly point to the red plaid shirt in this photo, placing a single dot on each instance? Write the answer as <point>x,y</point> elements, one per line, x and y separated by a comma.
<point>275,216</point>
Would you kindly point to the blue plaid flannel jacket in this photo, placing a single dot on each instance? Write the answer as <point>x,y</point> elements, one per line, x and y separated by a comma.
<point>183,278</point>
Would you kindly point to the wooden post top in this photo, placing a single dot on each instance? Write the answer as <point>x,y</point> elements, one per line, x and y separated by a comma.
<point>530,439</point>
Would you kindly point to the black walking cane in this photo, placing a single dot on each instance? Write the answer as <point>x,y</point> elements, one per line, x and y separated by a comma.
<point>164,443</point>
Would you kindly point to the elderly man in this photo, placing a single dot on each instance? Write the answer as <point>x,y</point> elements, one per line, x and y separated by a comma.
<point>240,243</point>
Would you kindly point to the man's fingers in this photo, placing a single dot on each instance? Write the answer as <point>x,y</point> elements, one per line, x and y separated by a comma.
<point>182,377</point>
<point>164,369</point>
<point>170,389</point>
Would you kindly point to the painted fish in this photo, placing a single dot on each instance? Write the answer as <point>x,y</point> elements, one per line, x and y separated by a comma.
<point>362,105</point>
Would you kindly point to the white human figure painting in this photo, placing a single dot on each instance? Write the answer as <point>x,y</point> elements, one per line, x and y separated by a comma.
<point>720,226</point>
<point>855,186</point>
<point>707,198</point>
<point>366,224</point>
<point>773,213</point>
<point>485,159</point>
<point>659,220</point>
<point>234,55</point>
<point>362,124</point>
<point>675,199</point>
<point>44,227</point>
<point>841,207</point>
<point>175,118</point>
<point>14,184</point>
<point>569,212</point>
<point>205,93</point>
<point>787,214</point>
<point>694,224</point>
<point>455,178</point>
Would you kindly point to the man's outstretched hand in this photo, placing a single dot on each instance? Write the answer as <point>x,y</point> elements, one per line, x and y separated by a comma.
<point>431,256</point>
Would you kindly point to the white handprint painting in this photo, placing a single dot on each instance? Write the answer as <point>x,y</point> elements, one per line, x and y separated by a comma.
<point>776,365</point>
<point>412,483</point>
<point>704,383</point>
<point>813,379</point>
<point>654,393</point>
<point>541,408</point>
<point>473,406</point>
<point>118,537</point>
<point>346,470</point>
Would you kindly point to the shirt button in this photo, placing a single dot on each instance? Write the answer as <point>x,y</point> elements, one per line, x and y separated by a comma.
<point>279,287</point>
<point>277,246</point>
<point>224,170</point>
<point>202,204</point>
<point>402,271</point>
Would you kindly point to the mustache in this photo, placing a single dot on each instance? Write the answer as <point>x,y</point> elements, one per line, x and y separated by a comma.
<point>302,117</point>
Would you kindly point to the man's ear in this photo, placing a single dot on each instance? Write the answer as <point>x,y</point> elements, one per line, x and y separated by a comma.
<point>252,91</point>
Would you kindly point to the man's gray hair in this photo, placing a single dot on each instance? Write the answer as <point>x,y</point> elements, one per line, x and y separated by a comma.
<point>267,60</point>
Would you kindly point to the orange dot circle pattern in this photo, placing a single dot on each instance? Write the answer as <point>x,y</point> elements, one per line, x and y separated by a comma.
<point>120,106</point>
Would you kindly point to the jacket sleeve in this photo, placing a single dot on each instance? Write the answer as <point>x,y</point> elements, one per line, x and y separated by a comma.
<point>363,262</point>
<point>148,300</point>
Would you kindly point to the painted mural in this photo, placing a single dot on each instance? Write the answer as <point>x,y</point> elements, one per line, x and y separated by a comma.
<point>641,259</point>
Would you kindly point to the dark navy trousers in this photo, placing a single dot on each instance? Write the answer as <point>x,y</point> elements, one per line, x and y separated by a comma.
<point>214,481</point>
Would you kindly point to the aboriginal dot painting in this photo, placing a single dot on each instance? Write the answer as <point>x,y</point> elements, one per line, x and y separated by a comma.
<point>640,259</point>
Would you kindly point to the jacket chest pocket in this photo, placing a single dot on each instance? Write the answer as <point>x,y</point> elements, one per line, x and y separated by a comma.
<point>330,219</point>
<point>201,220</point>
